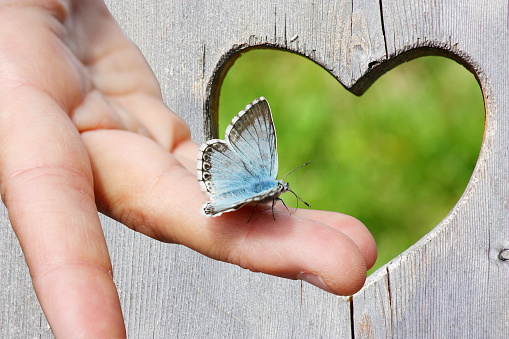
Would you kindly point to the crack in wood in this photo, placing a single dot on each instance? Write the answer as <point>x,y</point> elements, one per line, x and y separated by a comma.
<point>352,323</point>
<point>390,299</point>
<point>203,62</point>
<point>383,28</point>
<point>275,24</point>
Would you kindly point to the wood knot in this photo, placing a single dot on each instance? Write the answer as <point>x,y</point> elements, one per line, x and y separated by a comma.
<point>504,255</point>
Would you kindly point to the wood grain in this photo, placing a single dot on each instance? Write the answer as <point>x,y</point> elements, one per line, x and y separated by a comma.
<point>451,283</point>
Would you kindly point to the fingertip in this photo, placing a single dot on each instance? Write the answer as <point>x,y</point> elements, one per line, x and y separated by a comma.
<point>347,274</point>
<point>360,235</point>
<point>353,228</point>
<point>355,279</point>
<point>310,251</point>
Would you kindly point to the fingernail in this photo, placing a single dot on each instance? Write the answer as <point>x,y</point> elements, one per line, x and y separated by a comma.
<point>316,280</point>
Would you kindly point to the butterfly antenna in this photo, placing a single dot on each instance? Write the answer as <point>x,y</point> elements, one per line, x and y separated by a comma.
<point>294,171</point>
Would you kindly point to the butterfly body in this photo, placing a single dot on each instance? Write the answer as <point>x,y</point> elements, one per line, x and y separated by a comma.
<point>243,167</point>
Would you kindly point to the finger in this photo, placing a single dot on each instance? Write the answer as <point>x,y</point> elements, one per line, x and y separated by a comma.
<point>349,226</point>
<point>126,94</point>
<point>47,188</point>
<point>296,248</point>
<point>165,127</point>
<point>147,189</point>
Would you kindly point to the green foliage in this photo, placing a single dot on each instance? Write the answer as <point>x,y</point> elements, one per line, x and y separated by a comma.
<point>397,158</point>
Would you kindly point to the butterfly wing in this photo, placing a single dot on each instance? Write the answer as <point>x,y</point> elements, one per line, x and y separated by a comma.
<point>253,136</point>
<point>243,167</point>
<point>220,169</point>
<point>223,176</point>
<point>217,207</point>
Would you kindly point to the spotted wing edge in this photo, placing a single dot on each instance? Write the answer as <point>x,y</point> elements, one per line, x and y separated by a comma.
<point>272,193</point>
<point>199,166</point>
<point>241,113</point>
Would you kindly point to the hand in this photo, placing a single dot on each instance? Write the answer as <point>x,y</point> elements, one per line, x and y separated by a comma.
<point>83,128</point>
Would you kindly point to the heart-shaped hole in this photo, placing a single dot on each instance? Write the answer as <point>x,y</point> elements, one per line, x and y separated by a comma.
<point>398,158</point>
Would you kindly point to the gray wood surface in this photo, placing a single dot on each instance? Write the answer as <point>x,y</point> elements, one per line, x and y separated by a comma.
<point>450,284</point>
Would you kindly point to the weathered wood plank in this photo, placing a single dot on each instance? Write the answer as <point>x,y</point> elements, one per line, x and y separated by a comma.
<point>372,316</point>
<point>20,313</point>
<point>451,283</point>
<point>347,46</point>
<point>235,27</point>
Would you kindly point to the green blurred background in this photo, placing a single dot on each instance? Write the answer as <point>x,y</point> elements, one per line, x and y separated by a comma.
<point>397,158</point>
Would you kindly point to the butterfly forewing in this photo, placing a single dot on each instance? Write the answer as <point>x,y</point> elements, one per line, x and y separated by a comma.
<point>253,136</point>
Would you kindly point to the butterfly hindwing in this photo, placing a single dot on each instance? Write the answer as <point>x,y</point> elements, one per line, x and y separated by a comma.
<point>220,169</point>
<point>230,201</point>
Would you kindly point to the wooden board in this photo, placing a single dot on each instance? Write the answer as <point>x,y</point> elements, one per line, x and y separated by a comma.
<point>450,284</point>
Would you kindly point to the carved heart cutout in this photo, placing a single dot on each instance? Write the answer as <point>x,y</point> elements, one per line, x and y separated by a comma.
<point>398,158</point>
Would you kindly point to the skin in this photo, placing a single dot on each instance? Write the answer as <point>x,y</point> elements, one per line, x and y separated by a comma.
<point>83,129</point>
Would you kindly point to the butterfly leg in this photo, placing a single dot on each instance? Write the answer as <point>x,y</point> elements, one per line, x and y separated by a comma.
<point>284,205</point>
<point>254,208</point>
<point>274,203</point>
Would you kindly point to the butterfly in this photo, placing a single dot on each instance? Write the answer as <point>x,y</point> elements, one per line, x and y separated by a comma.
<point>243,167</point>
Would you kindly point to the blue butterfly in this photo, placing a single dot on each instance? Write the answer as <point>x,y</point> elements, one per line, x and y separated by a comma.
<point>242,168</point>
